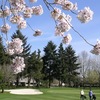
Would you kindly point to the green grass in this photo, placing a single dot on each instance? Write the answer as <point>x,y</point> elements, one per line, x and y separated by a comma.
<point>51,94</point>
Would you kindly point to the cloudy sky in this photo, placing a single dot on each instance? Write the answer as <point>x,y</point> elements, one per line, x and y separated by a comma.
<point>90,31</point>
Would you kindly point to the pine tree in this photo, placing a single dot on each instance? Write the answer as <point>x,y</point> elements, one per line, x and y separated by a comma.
<point>6,74</point>
<point>2,52</point>
<point>49,62</point>
<point>4,57</point>
<point>71,64</point>
<point>25,53</point>
<point>60,64</point>
<point>35,67</point>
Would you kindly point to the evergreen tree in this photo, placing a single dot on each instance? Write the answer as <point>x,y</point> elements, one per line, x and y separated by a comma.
<point>49,62</point>
<point>2,52</point>
<point>4,58</point>
<point>27,47</point>
<point>71,65</point>
<point>35,67</point>
<point>60,64</point>
<point>6,73</point>
<point>25,53</point>
<point>30,68</point>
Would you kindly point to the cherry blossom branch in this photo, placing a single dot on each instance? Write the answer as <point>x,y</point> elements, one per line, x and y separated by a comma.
<point>3,18</point>
<point>30,26</point>
<point>79,33</point>
<point>36,32</point>
<point>81,36</point>
<point>48,4</point>
<point>73,12</point>
<point>18,11</point>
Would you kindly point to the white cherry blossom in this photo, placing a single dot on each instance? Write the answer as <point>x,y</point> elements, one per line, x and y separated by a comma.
<point>14,10</point>
<point>67,39</point>
<point>15,46</point>
<point>18,64</point>
<point>6,12</point>
<point>75,6</point>
<point>28,12</point>
<point>37,33</point>
<point>5,28</point>
<point>63,26</point>
<point>56,13</point>
<point>64,18</point>
<point>16,19</point>
<point>1,13</point>
<point>85,15</point>
<point>17,2</point>
<point>58,32</point>
<point>68,5</point>
<point>96,49</point>
<point>22,25</point>
<point>37,10</point>
<point>33,1</point>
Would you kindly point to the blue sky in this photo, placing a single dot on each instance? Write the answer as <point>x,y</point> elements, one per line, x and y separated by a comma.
<point>90,31</point>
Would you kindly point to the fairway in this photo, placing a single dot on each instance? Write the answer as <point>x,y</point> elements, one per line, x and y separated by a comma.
<point>51,94</point>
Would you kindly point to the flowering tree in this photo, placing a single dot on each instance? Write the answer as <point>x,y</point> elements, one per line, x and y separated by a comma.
<point>17,12</point>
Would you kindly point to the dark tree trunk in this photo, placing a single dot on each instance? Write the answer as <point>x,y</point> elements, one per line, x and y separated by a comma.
<point>17,80</point>
<point>29,79</point>
<point>2,89</point>
<point>2,86</point>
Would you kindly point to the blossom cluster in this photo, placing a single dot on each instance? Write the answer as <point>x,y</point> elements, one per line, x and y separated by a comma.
<point>85,15</point>
<point>37,33</point>
<point>18,64</point>
<point>96,49</point>
<point>63,21</point>
<point>66,4</point>
<point>18,12</point>
<point>67,39</point>
<point>15,46</point>
<point>5,28</point>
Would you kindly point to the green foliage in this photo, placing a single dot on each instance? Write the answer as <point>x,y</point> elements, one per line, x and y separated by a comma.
<point>60,64</point>
<point>35,66</point>
<point>92,76</point>
<point>2,53</point>
<point>71,64</point>
<point>5,61</point>
<point>6,76</point>
<point>4,58</point>
<point>49,61</point>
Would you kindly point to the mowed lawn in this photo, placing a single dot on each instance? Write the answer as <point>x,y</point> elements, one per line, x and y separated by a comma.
<point>52,94</point>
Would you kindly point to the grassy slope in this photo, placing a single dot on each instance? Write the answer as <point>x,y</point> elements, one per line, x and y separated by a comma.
<point>51,94</point>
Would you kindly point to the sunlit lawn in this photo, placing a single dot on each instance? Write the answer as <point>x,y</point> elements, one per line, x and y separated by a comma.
<point>51,94</point>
